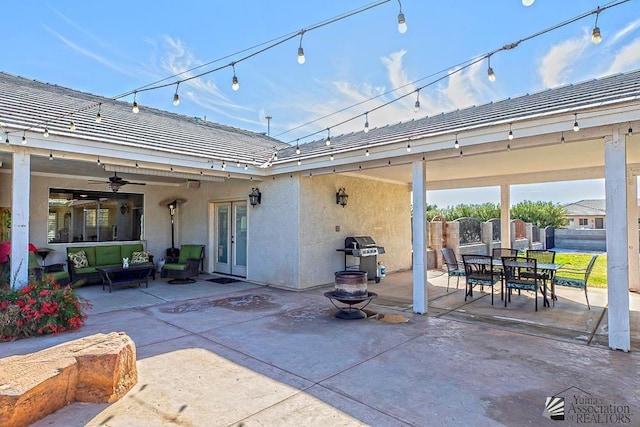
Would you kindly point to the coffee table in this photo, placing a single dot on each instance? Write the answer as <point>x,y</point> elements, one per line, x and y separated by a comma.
<point>120,276</point>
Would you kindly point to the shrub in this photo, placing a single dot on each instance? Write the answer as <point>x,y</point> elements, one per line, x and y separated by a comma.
<point>40,308</point>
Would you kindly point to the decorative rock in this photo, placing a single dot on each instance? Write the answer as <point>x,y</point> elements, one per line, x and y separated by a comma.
<point>99,368</point>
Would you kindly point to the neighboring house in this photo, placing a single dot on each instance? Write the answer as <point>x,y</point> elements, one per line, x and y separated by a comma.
<point>59,181</point>
<point>589,213</point>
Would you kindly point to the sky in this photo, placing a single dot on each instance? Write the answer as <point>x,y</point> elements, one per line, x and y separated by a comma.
<point>352,66</point>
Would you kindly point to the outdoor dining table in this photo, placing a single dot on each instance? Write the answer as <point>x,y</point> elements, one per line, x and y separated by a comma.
<point>545,267</point>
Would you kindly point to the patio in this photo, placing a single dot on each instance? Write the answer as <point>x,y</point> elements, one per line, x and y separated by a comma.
<point>244,354</point>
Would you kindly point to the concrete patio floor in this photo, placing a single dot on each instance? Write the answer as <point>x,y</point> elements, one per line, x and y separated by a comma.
<point>244,354</point>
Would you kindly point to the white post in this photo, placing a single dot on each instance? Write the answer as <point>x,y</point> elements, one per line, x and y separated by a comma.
<point>420,297</point>
<point>632,220</point>
<point>505,216</point>
<point>615,173</point>
<point>20,191</point>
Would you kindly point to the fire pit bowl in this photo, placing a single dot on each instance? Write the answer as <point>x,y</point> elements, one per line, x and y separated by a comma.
<point>351,290</point>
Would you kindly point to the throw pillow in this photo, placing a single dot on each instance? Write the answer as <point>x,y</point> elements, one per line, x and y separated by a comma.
<point>139,257</point>
<point>79,259</point>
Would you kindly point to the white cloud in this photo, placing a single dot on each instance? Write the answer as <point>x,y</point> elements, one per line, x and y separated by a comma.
<point>632,26</point>
<point>627,58</point>
<point>88,53</point>
<point>556,66</point>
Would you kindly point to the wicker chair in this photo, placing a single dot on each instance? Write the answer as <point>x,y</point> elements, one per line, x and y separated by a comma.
<point>579,279</point>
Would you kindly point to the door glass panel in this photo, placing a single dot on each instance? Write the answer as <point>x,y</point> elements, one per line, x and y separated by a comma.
<point>223,234</point>
<point>241,235</point>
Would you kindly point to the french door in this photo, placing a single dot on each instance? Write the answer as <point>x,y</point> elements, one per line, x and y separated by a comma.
<point>230,238</point>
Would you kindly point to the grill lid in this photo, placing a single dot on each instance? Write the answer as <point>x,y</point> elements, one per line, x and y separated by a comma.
<point>360,242</point>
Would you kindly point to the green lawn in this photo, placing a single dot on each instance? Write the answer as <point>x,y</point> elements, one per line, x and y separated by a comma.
<point>598,278</point>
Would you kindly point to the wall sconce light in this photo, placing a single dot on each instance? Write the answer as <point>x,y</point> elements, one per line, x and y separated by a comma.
<point>255,197</point>
<point>124,209</point>
<point>341,197</point>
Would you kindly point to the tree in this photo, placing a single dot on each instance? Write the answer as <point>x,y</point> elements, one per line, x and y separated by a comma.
<point>540,214</point>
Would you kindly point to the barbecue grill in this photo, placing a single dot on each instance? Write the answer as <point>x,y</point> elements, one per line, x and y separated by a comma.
<point>361,253</point>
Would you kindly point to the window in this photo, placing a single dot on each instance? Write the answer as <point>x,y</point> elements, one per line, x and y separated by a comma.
<point>583,221</point>
<point>94,216</point>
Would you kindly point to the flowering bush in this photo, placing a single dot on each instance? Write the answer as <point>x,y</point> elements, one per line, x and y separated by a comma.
<point>40,308</point>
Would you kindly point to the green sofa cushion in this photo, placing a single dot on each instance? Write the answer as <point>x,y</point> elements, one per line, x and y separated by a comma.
<point>189,251</point>
<point>127,250</point>
<point>107,255</point>
<point>178,267</point>
<point>89,250</point>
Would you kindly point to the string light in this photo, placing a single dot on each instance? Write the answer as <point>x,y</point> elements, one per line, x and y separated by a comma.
<point>238,163</point>
<point>510,136</point>
<point>328,141</point>
<point>456,144</point>
<point>50,155</point>
<point>98,161</point>
<point>135,107</point>
<point>527,2</point>
<point>490,73</point>
<point>576,128</point>
<point>297,147</point>
<point>72,125</point>
<point>461,152</point>
<point>402,23</point>
<point>508,146</point>
<point>366,153</point>
<point>301,58</point>
<point>416,107</point>
<point>234,81</point>
<point>630,131</point>
<point>6,141</point>
<point>224,165</point>
<point>331,157</point>
<point>45,133</point>
<point>596,37</point>
<point>562,137</point>
<point>408,147</point>
<point>246,166</point>
<point>299,162</point>
<point>137,166</point>
<point>366,122</point>
<point>176,97</point>
<point>24,138</point>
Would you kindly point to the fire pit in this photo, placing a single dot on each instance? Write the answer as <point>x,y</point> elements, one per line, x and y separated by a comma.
<point>350,290</point>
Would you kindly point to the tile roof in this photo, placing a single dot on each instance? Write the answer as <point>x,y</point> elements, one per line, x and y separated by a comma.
<point>616,89</point>
<point>588,207</point>
<point>27,103</point>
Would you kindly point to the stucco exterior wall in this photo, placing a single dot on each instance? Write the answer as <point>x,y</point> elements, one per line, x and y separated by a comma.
<point>378,209</point>
<point>274,233</point>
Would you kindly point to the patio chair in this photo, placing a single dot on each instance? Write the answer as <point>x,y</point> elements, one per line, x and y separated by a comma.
<point>579,280</point>
<point>542,256</point>
<point>497,254</point>
<point>187,267</point>
<point>454,267</point>
<point>479,272</point>
<point>513,269</point>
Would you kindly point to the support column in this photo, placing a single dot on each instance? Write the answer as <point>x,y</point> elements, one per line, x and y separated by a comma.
<point>505,216</point>
<point>633,235</point>
<point>615,173</point>
<point>419,187</point>
<point>20,192</point>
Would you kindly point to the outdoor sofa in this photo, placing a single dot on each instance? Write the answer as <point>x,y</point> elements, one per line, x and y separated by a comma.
<point>96,256</point>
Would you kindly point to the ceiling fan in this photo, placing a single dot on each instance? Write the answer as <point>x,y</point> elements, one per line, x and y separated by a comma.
<point>115,182</point>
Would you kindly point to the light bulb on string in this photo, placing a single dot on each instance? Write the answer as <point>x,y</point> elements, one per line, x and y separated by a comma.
<point>510,135</point>
<point>224,165</point>
<point>246,166</point>
<point>527,2</point>
<point>24,138</point>
<point>234,81</point>
<point>301,58</point>
<point>98,161</point>
<point>408,147</point>
<point>490,74</point>
<point>298,146</point>
<point>72,125</point>
<point>456,144</point>
<point>45,133</point>
<point>238,163</point>
<point>328,141</point>
<point>402,23</point>
<point>50,155</point>
<point>630,131</point>
<point>366,153</point>
<point>416,106</point>
<point>576,127</point>
<point>98,115</point>
<point>176,97</point>
<point>366,122</point>
<point>6,141</point>
<point>596,36</point>
<point>299,162</point>
<point>135,107</point>
<point>331,157</point>
<point>562,137</point>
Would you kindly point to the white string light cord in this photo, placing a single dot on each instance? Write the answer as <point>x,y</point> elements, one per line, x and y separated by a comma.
<point>456,69</point>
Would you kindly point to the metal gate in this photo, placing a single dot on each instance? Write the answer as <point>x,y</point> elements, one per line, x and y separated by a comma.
<point>550,240</point>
